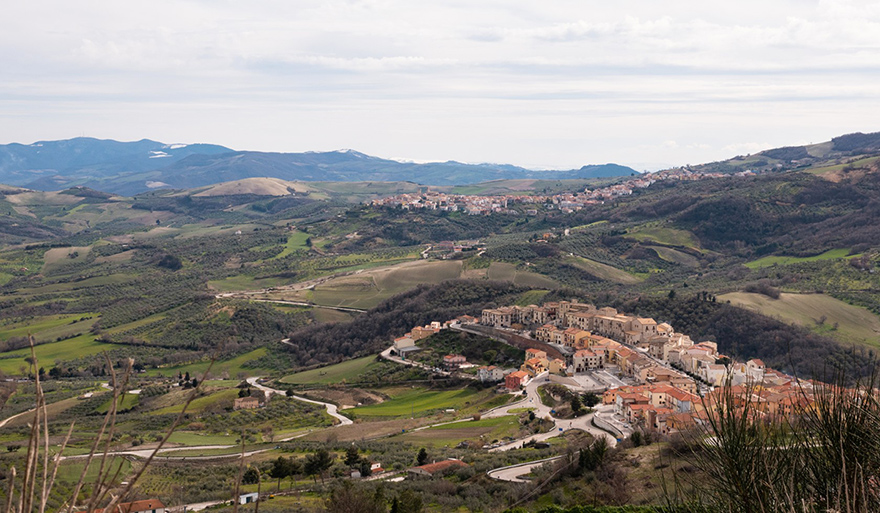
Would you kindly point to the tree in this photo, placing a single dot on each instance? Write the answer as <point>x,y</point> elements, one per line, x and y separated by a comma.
<point>422,457</point>
<point>250,476</point>
<point>352,457</point>
<point>317,463</point>
<point>351,499</point>
<point>591,400</point>
<point>576,404</point>
<point>296,468</point>
<point>280,469</point>
<point>409,502</point>
<point>365,467</point>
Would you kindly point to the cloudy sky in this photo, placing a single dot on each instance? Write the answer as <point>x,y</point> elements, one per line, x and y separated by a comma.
<point>553,84</point>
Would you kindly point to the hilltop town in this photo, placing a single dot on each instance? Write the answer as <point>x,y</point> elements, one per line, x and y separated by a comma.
<point>650,377</point>
<point>475,204</point>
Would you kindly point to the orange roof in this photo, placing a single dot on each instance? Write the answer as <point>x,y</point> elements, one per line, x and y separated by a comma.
<point>433,468</point>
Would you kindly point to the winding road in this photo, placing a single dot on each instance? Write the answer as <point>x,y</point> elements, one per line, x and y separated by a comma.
<point>533,400</point>
<point>331,408</point>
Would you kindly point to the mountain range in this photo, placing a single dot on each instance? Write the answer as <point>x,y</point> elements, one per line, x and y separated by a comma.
<point>134,167</point>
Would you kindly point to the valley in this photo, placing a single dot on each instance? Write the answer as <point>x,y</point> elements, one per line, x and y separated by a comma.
<point>265,316</point>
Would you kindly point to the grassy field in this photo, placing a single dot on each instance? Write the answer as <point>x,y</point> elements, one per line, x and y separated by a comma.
<point>345,371</point>
<point>487,430</point>
<point>295,241</point>
<point>532,297</point>
<point>231,368</point>
<point>195,439</point>
<point>418,401</point>
<point>676,257</point>
<point>245,282</point>
<point>50,327</point>
<point>832,170</point>
<point>127,402</point>
<point>56,257</point>
<point>606,272</point>
<point>370,287</point>
<point>854,324</point>
<point>508,272</point>
<point>772,260</point>
<point>76,347</point>
<point>200,403</point>
<point>665,236</point>
<point>69,472</point>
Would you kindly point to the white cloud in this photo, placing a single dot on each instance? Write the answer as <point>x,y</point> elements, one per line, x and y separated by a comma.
<point>560,84</point>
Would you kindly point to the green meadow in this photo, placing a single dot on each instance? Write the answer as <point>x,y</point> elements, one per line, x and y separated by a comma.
<point>345,371</point>
<point>772,260</point>
<point>419,401</point>
<point>83,345</point>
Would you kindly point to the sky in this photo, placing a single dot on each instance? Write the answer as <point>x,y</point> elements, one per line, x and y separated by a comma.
<point>544,85</point>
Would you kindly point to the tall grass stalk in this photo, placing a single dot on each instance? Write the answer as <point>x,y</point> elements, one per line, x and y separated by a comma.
<point>31,493</point>
<point>823,456</point>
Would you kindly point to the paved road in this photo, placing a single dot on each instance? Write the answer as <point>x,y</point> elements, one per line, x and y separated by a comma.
<point>331,408</point>
<point>17,415</point>
<point>533,400</point>
<point>145,453</point>
<point>512,473</point>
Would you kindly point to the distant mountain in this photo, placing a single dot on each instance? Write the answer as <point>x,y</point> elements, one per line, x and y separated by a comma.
<point>134,167</point>
<point>55,165</point>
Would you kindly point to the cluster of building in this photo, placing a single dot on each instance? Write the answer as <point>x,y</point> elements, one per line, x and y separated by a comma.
<point>598,337</point>
<point>662,362</point>
<point>567,202</point>
<point>407,343</point>
<point>664,409</point>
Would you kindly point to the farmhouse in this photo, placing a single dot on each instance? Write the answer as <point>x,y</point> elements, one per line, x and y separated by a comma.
<point>435,469</point>
<point>246,403</point>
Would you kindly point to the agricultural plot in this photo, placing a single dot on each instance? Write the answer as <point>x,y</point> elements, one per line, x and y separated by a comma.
<point>421,402</point>
<point>346,371</point>
<point>486,430</point>
<point>854,324</point>
<point>123,403</point>
<point>221,398</point>
<point>832,172</point>
<point>368,288</point>
<point>532,297</point>
<point>13,362</point>
<point>772,260</point>
<point>675,256</point>
<point>665,236</point>
<point>603,271</point>
<point>244,282</point>
<point>57,257</point>
<point>295,241</point>
<point>231,368</point>
<point>48,328</point>
<point>508,272</point>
